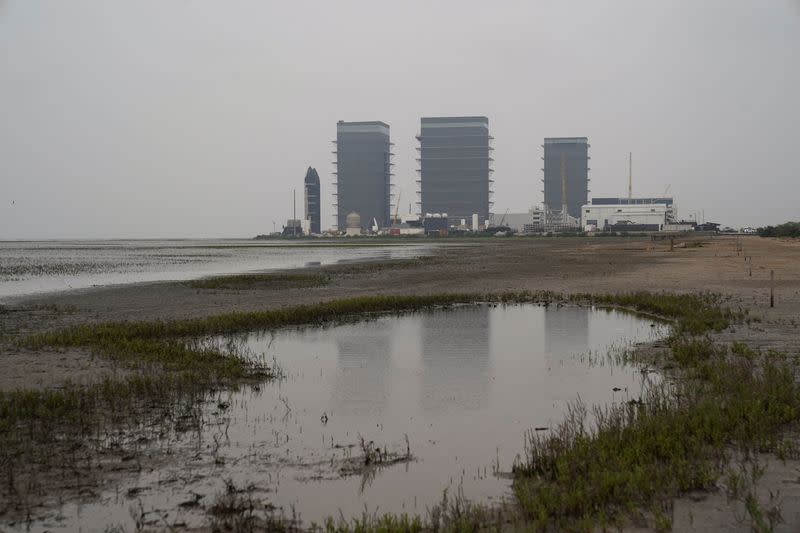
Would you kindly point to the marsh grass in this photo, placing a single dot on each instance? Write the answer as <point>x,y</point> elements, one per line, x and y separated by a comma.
<point>451,513</point>
<point>693,313</point>
<point>371,267</point>
<point>271,281</point>
<point>638,455</point>
<point>154,338</point>
<point>63,440</point>
<point>282,281</point>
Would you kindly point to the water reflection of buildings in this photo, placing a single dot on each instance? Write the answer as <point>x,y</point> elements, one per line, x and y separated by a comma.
<point>364,364</point>
<point>566,333</point>
<point>455,358</point>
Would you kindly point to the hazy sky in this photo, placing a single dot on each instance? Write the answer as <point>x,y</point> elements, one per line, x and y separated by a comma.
<point>190,118</point>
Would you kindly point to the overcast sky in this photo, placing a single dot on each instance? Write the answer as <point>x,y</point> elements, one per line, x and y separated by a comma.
<point>160,118</point>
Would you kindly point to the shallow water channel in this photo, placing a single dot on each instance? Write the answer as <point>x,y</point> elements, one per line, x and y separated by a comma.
<point>30,267</point>
<point>463,384</point>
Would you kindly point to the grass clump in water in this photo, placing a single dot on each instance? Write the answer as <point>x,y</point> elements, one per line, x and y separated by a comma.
<point>640,454</point>
<point>451,513</point>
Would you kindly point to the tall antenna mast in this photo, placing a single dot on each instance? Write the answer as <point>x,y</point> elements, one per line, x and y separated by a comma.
<point>563,189</point>
<point>294,212</point>
<point>630,175</point>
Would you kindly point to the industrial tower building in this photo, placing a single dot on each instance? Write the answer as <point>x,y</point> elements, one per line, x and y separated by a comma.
<point>455,167</point>
<point>566,174</point>
<point>363,172</point>
<point>313,207</point>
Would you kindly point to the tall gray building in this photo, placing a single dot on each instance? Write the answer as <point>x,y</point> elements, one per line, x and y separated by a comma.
<point>313,206</point>
<point>363,172</point>
<point>566,168</point>
<point>455,167</point>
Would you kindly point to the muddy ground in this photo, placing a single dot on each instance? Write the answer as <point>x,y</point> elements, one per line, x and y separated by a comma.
<point>568,265</point>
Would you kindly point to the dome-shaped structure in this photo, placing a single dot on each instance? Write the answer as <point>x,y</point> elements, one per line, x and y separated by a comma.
<point>353,220</point>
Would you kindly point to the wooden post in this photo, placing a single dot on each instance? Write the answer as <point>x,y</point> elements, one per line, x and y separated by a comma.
<point>671,243</point>
<point>772,288</point>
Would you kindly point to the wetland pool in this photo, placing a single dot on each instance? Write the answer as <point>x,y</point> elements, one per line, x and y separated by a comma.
<point>463,384</point>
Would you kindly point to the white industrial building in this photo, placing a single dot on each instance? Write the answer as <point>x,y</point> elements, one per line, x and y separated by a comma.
<point>628,214</point>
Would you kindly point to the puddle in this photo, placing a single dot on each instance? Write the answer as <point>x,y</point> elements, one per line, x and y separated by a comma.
<point>462,384</point>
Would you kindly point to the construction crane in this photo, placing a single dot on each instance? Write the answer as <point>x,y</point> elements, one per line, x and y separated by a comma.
<point>504,217</point>
<point>397,208</point>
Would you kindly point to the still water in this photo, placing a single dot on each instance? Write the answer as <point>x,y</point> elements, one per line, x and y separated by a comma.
<point>36,267</point>
<point>463,384</point>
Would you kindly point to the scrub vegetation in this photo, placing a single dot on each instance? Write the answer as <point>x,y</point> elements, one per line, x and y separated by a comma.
<point>600,466</point>
<point>260,281</point>
<point>787,229</point>
<point>320,278</point>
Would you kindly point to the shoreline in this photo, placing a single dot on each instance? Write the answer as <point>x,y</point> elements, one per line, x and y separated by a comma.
<point>37,297</point>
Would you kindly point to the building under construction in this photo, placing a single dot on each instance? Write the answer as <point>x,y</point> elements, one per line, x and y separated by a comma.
<point>363,173</point>
<point>455,167</point>
<point>312,200</point>
<point>566,175</point>
<point>546,220</point>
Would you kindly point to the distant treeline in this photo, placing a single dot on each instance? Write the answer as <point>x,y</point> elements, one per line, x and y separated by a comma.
<point>789,229</point>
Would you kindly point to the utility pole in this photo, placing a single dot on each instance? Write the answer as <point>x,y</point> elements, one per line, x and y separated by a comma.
<point>630,175</point>
<point>563,189</point>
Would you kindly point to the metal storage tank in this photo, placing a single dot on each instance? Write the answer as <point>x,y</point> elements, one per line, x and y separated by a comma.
<point>353,220</point>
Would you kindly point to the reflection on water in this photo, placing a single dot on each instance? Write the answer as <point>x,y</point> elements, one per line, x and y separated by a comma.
<point>361,384</point>
<point>566,333</point>
<point>455,358</point>
<point>464,385</point>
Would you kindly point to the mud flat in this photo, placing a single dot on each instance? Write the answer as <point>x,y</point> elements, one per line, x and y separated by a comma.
<point>539,271</point>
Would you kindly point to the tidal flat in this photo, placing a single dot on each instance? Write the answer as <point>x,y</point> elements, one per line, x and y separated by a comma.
<point>713,337</point>
<point>36,267</point>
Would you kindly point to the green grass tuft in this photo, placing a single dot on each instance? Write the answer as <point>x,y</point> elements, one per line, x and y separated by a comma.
<point>270,281</point>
